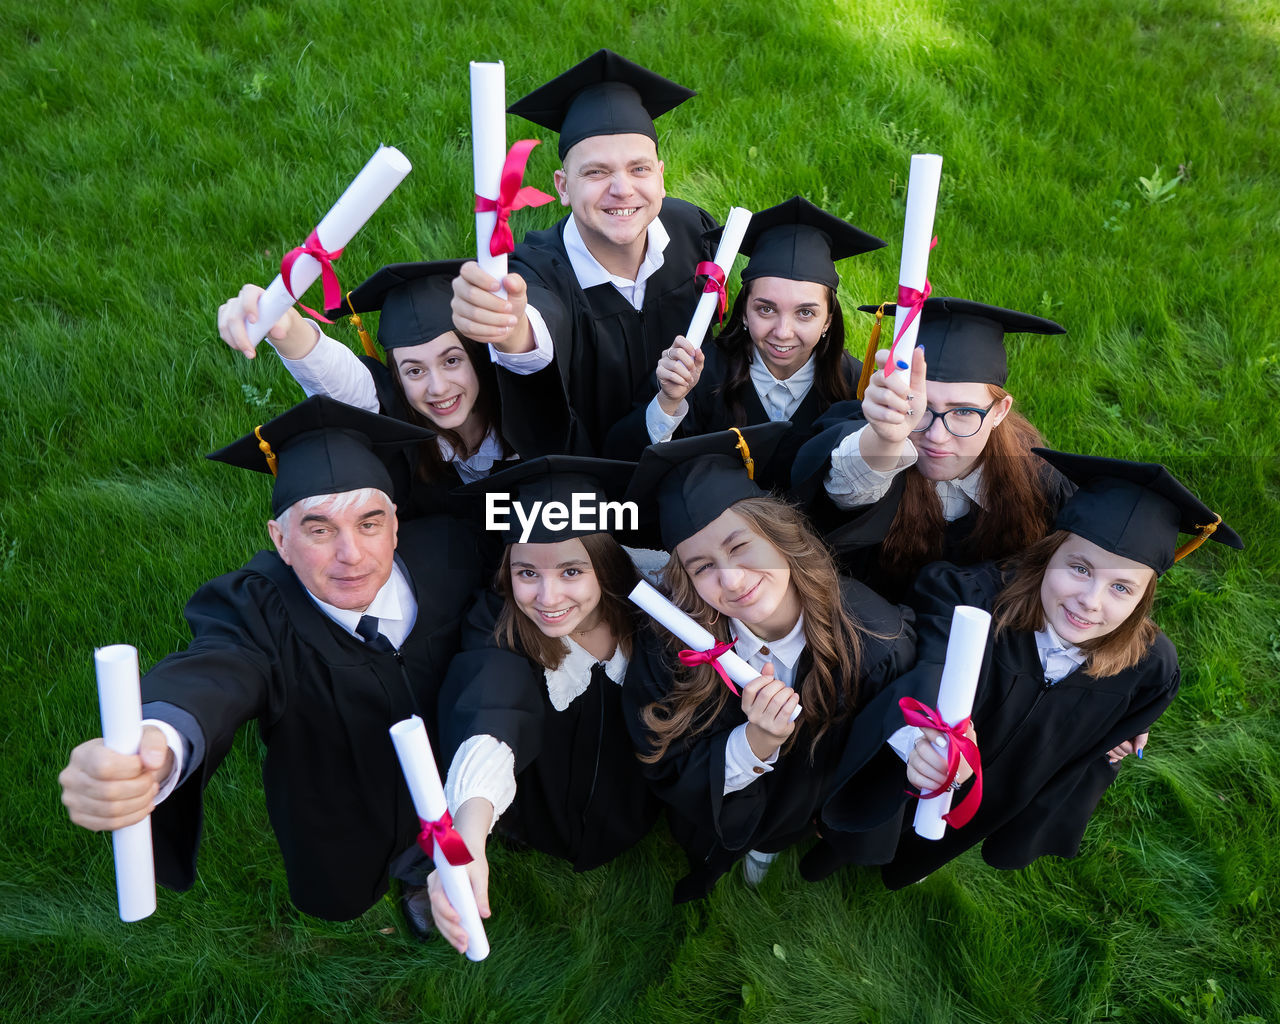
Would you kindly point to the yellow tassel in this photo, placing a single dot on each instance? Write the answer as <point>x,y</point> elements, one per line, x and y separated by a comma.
<point>365,340</point>
<point>869,364</point>
<point>265,448</point>
<point>745,452</point>
<point>1205,533</point>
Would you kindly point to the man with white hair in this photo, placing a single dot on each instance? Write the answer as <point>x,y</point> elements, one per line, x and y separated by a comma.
<point>327,641</point>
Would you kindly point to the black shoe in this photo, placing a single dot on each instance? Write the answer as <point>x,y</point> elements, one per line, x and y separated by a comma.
<point>415,908</point>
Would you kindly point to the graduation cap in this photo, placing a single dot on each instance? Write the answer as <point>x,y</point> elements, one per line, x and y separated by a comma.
<point>964,341</point>
<point>322,446</point>
<point>604,95</point>
<point>800,242</point>
<point>1134,509</point>
<point>557,478</point>
<point>414,299</point>
<point>696,478</point>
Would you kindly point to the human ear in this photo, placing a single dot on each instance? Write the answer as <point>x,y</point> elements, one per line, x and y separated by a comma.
<point>1001,410</point>
<point>276,530</point>
<point>561,180</point>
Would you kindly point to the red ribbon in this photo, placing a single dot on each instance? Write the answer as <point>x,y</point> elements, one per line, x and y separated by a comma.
<point>913,301</point>
<point>715,283</point>
<point>442,831</point>
<point>332,290</point>
<point>959,744</point>
<point>511,197</point>
<point>712,657</point>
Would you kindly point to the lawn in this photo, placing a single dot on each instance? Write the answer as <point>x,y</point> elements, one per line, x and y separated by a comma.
<point>1108,163</point>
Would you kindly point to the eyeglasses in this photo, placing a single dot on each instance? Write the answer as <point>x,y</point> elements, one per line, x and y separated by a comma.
<point>962,421</point>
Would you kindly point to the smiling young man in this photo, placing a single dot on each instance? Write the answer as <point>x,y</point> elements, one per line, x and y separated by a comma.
<point>595,299</point>
<point>342,630</point>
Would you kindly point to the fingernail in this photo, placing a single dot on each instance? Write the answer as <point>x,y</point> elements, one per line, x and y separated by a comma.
<point>1139,752</point>
<point>902,365</point>
<point>940,742</point>
<point>920,347</point>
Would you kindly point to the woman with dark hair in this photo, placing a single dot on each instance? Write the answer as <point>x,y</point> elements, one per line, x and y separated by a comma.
<point>781,353</point>
<point>530,712</point>
<point>433,377</point>
<point>746,774</point>
<point>1074,674</point>
<point>935,462</point>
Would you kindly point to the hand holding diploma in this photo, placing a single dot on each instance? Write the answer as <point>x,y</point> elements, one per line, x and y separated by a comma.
<point>491,311</point>
<point>678,373</point>
<point>893,408</point>
<point>472,822</point>
<point>291,335</point>
<point>713,294</point>
<point>927,763</point>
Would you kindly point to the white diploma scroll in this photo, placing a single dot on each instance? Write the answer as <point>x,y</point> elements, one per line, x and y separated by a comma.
<point>667,615</point>
<point>370,189</point>
<point>966,647</point>
<point>917,234</point>
<point>735,226</point>
<point>488,153</point>
<point>120,699</point>
<point>419,767</point>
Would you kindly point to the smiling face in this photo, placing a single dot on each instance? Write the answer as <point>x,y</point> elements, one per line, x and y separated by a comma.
<point>740,574</point>
<point>942,455</point>
<point>556,586</point>
<point>613,184</point>
<point>786,320</point>
<point>1088,591</point>
<point>439,381</point>
<point>341,550</point>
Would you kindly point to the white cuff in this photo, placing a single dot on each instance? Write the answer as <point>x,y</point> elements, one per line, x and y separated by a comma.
<point>483,767</point>
<point>852,483</point>
<point>741,766</point>
<point>333,370</point>
<point>659,424</point>
<point>903,740</point>
<point>178,746</point>
<point>536,358</point>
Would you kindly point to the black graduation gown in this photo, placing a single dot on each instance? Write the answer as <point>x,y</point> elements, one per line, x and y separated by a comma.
<point>1043,747</point>
<point>709,413</point>
<point>857,535</point>
<point>782,806</point>
<point>605,349</point>
<point>580,794</point>
<point>335,794</point>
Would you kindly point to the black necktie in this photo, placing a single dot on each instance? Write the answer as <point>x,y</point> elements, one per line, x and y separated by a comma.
<point>367,627</point>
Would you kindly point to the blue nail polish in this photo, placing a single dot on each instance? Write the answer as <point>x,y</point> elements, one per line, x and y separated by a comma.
<point>1139,753</point>
<point>902,365</point>
<point>920,347</point>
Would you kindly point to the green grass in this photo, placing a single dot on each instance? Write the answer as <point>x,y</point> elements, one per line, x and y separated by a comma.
<point>157,155</point>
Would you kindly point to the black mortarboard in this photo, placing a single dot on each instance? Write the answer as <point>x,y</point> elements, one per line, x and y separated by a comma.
<point>1134,509</point>
<point>322,446</point>
<point>604,95</point>
<point>694,479</point>
<point>964,341</point>
<point>556,478</point>
<point>800,242</point>
<point>414,299</point>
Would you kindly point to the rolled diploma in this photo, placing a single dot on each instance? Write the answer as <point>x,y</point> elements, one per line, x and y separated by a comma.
<point>735,226</point>
<point>370,189</point>
<point>419,767</point>
<point>488,153</point>
<point>687,631</point>
<point>965,649</point>
<point>917,233</point>
<point>119,697</point>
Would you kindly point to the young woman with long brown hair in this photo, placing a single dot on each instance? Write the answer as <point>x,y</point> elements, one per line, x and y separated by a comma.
<point>741,777</point>
<point>935,462</point>
<point>1074,674</point>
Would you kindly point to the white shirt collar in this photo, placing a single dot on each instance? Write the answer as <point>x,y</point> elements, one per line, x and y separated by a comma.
<point>477,466</point>
<point>1057,657</point>
<point>568,682</point>
<point>958,495</point>
<point>785,653</point>
<point>394,606</point>
<point>795,387</point>
<point>591,272</point>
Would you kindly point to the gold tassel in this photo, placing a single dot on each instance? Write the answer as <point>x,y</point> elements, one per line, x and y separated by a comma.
<point>1205,533</point>
<point>869,364</point>
<point>265,448</point>
<point>745,452</point>
<point>365,340</point>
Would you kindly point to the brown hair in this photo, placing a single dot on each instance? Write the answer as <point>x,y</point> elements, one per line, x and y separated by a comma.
<point>738,349</point>
<point>487,407</point>
<point>617,577</point>
<point>1014,513</point>
<point>1018,606</point>
<point>832,637</point>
